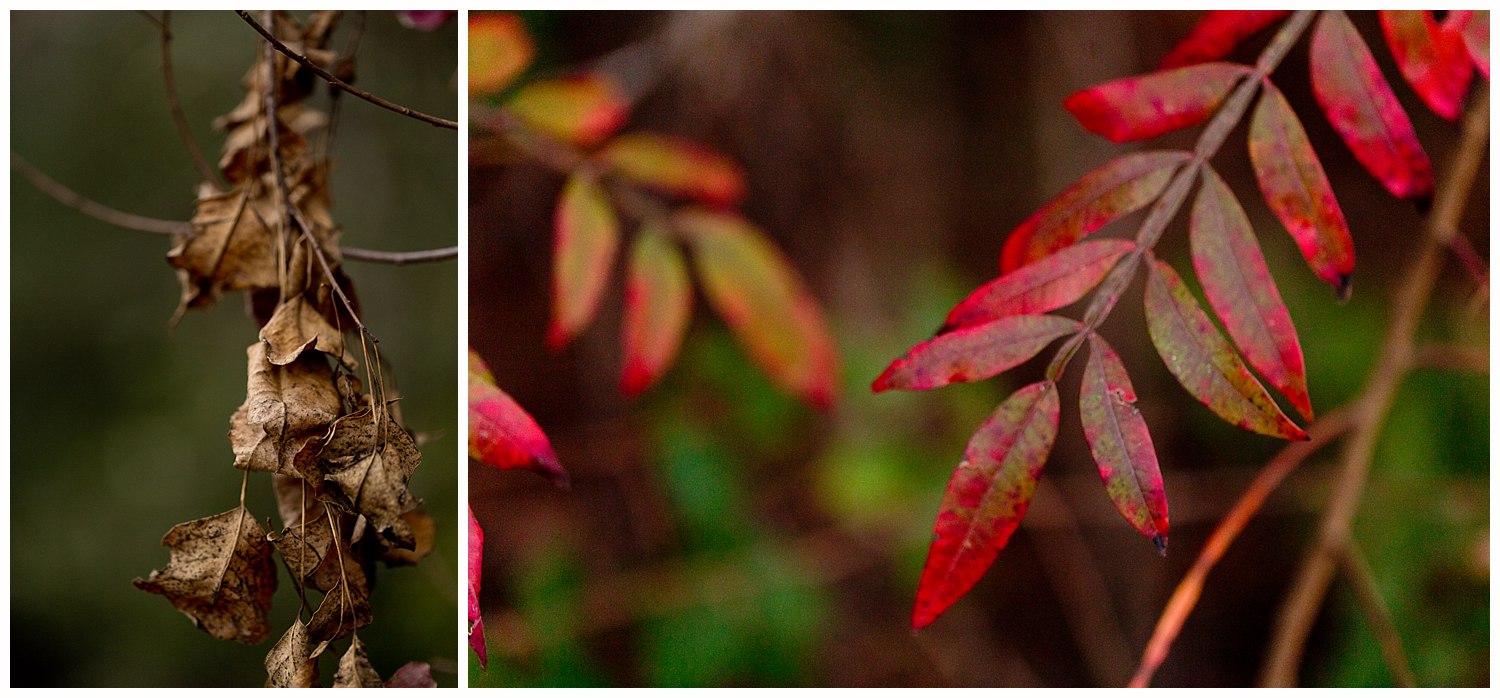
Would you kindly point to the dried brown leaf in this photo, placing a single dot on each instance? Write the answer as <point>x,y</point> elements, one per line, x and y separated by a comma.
<point>370,459</point>
<point>287,410</point>
<point>355,670</point>
<point>344,608</point>
<point>220,575</point>
<point>297,326</point>
<point>290,662</point>
<point>424,531</point>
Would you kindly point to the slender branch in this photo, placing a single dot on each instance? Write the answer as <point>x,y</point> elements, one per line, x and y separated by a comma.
<point>340,84</point>
<point>1367,593</point>
<point>179,119</point>
<point>441,254</point>
<point>94,209</point>
<point>1471,260</point>
<point>1452,358</point>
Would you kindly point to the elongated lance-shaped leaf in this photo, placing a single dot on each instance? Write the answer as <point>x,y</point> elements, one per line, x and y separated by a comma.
<point>1297,190</point>
<point>1042,286</point>
<point>503,435</point>
<point>499,51</point>
<point>476,568</point>
<point>753,287</point>
<point>1121,444</point>
<point>1094,201</point>
<point>1242,293</point>
<point>973,353</point>
<point>1204,362</point>
<point>1143,107</point>
<point>986,498</point>
<point>1431,58</point>
<point>658,303</point>
<point>587,235</point>
<point>1474,27</point>
<point>1360,105</point>
<point>582,110</point>
<point>1218,33</point>
<point>676,166</point>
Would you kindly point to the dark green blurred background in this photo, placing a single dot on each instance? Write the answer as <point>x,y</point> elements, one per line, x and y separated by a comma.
<point>119,427</point>
<point>719,533</point>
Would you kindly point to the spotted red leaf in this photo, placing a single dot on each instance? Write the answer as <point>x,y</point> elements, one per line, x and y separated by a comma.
<point>1042,286</point>
<point>1218,34</point>
<point>583,109</point>
<point>986,498</point>
<point>1204,362</point>
<point>676,166</point>
<point>1242,293</point>
<point>1121,444</point>
<point>501,434</point>
<point>1143,107</point>
<point>1297,190</point>
<point>1360,105</point>
<point>658,302</point>
<point>1094,201</point>
<point>1431,58</point>
<point>476,566</point>
<point>973,353</point>
<point>587,235</point>
<point>1473,26</point>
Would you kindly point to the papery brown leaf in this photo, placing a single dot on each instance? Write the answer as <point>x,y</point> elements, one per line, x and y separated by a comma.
<point>304,546</point>
<point>297,326</point>
<point>503,435</point>
<point>342,566</point>
<point>1147,106</point>
<point>587,235</point>
<point>370,459</point>
<point>476,568</point>
<point>344,608</point>
<point>220,575</point>
<point>355,670</point>
<point>973,353</point>
<point>1094,201</point>
<point>1432,59</point>
<point>290,664</point>
<point>424,532</point>
<point>1218,33</point>
<point>1121,444</point>
<point>412,675</point>
<point>658,303</point>
<point>1041,286</point>
<point>988,495</point>
<point>232,248</point>
<point>499,51</point>
<point>676,166</point>
<point>286,412</point>
<point>582,110</point>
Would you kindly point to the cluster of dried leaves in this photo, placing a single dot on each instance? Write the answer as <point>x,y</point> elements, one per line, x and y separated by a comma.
<point>339,457</point>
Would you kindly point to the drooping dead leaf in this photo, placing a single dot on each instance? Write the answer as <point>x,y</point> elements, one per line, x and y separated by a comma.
<point>290,663</point>
<point>297,326</point>
<point>370,458</point>
<point>220,575</point>
<point>232,248</point>
<point>344,608</point>
<point>424,531</point>
<point>412,675</point>
<point>338,569</point>
<point>355,670</point>
<point>304,545</point>
<point>287,409</point>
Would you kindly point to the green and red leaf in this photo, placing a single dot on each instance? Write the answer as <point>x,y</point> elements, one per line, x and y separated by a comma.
<point>1121,444</point>
<point>1361,107</point>
<point>1143,107</point>
<point>1297,190</point>
<point>587,235</point>
<point>503,435</point>
<point>582,109</point>
<point>1432,58</point>
<point>973,353</point>
<point>658,303</point>
<point>476,568</point>
<point>1473,26</point>
<point>1204,362</point>
<point>1218,34</point>
<point>676,166</point>
<point>499,51</point>
<point>987,497</point>
<point>1242,293</point>
<point>1094,201</point>
<point>1042,286</point>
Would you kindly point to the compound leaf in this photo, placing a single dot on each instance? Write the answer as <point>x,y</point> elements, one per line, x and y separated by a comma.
<point>973,353</point>
<point>1218,33</point>
<point>1121,444</point>
<point>658,303</point>
<point>1041,286</point>
<point>1143,107</point>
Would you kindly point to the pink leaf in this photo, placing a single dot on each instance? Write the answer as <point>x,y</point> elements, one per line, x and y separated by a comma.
<point>582,110</point>
<point>412,675</point>
<point>1242,293</point>
<point>1473,26</point>
<point>1218,34</point>
<point>1360,105</point>
<point>424,20</point>
<point>1041,286</point>
<point>1121,444</point>
<point>501,434</point>
<point>1143,107</point>
<point>1204,362</point>
<point>1094,201</point>
<point>676,166</point>
<point>476,567</point>
<point>658,302</point>
<point>583,253</point>
<point>973,353</point>
<point>1297,190</point>
<point>988,495</point>
<point>1432,59</point>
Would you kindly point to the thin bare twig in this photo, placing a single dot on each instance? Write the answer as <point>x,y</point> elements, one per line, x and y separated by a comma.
<point>94,209</point>
<point>179,119</point>
<point>441,254</point>
<point>1367,593</point>
<point>1452,358</point>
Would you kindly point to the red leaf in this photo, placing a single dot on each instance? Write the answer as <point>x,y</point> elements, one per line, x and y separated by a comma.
<point>501,434</point>
<point>658,302</point>
<point>1094,201</point>
<point>583,253</point>
<point>583,109</point>
<point>1042,286</point>
<point>1432,59</point>
<point>988,495</point>
<point>1242,293</point>
<point>499,49</point>
<point>1218,34</point>
<point>476,567</point>
<point>676,166</point>
<point>1143,107</point>
<point>1473,26</point>
<point>973,353</point>
<point>1204,362</point>
<point>754,288</point>
<point>1121,444</point>
<point>1360,105</point>
<point>1297,190</point>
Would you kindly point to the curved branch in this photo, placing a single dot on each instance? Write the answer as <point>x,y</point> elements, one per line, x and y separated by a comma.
<point>441,254</point>
<point>179,119</point>
<point>94,209</point>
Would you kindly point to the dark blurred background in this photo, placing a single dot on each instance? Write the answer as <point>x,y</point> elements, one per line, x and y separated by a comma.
<point>119,427</point>
<point>720,533</point>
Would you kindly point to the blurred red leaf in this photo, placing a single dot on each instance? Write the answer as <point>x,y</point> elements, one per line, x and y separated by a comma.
<point>1121,444</point>
<point>986,498</point>
<point>583,254</point>
<point>1473,26</point>
<point>1360,105</point>
<point>1095,200</point>
<point>476,566</point>
<point>973,353</point>
<point>501,434</point>
<point>1143,107</point>
<point>1204,362</point>
<point>1242,293</point>
<point>658,303</point>
<point>1217,35</point>
<point>499,50</point>
<point>1431,58</point>
<point>1041,286</point>
<point>676,166</point>
<point>412,675</point>
<point>426,20</point>
<point>1297,190</point>
<point>754,288</point>
<point>582,110</point>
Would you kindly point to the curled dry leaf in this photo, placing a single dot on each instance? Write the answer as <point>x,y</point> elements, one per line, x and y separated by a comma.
<point>354,669</point>
<point>290,663</point>
<point>424,532</point>
<point>412,675</point>
<point>1144,107</point>
<point>231,248</point>
<point>1121,444</point>
<point>503,435</point>
<point>973,353</point>
<point>304,546</point>
<point>587,234</point>
<point>1218,34</point>
<point>582,110</point>
<point>370,458</point>
<point>676,166</point>
<point>499,50</point>
<point>476,568</point>
<point>1041,286</point>
<point>220,575</point>
<point>1432,58</point>
<point>658,304</point>
<point>297,326</point>
<point>344,608</point>
<point>285,415</point>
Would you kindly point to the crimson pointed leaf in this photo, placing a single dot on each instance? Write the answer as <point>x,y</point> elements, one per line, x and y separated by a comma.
<point>1242,293</point>
<point>986,498</point>
<point>973,353</point>
<point>583,109</point>
<point>1042,286</point>
<point>1218,33</point>
<point>658,302</point>
<point>1121,444</point>
<point>1204,362</point>
<point>676,166</point>
<point>1143,107</point>
<point>1431,58</point>
<point>476,566</point>
<point>1360,105</point>
<point>1094,201</point>
<point>587,235</point>
<point>502,434</point>
<point>1473,27</point>
<point>1297,190</point>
